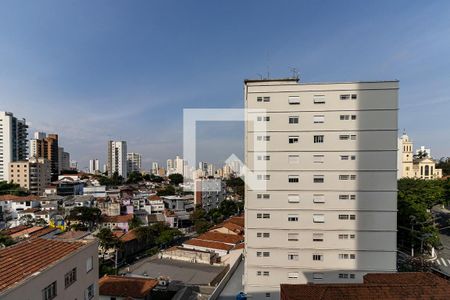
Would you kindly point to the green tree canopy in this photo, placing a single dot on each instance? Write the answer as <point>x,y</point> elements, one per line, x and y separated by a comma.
<point>176,179</point>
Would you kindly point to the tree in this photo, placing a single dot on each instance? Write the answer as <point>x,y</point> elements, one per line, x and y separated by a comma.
<point>175,179</point>
<point>11,188</point>
<point>444,164</point>
<point>5,240</point>
<point>135,222</point>
<point>88,216</point>
<point>202,226</point>
<point>134,177</point>
<point>237,185</point>
<point>107,240</point>
<point>167,191</point>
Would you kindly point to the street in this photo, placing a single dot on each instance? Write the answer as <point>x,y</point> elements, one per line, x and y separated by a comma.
<point>442,217</point>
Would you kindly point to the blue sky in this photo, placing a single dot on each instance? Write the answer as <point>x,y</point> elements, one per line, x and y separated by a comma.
<point>98,70</point>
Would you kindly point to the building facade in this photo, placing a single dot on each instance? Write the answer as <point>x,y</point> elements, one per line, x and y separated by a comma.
<point>50,269</point>
<point>420,165</point>
<point>117,158</point>
<point>94,166</point>
<point>33,174</point>
<point>322,158</point>
<point>134,162</point>
<point>46,146</point>
<point>13,142</point>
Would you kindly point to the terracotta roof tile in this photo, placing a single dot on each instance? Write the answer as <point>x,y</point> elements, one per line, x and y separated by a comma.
<point>208,244</point>
<point>117,219</point>
<point>19,198</point>
<point>121,286</point>
<point>395,286</point>
<point>220,237</point>
<point>28,257</point>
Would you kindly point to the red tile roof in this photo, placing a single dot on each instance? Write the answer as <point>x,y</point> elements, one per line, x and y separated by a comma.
<point>117,219</point>
<point>239,220</point>
<point>154,197</point>
<point>220,237</point>
<point>19,198</point>
<point>24,259</point>
<point>395,286</point>
<point>120,286</point>
<point>208,244</point>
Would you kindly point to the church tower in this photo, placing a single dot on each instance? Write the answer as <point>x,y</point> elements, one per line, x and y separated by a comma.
<point>407,156</point>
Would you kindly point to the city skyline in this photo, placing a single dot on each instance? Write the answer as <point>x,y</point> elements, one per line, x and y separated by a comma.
<point>129,82</point>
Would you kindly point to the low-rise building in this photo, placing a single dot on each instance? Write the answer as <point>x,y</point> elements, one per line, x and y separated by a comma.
<point>114,222</point>
<point>190,255</point>
<point>123,288</point>
<point>96,191</point>
<point>49,269</point>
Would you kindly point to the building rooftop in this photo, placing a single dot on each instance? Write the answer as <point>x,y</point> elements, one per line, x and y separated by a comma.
<point>31,257</point>
<point>19,198</point>
<point>220,237</point>
<point>376,286</point>
<point>117,219</point>
<point>120,286</point>
<point>209,244</point>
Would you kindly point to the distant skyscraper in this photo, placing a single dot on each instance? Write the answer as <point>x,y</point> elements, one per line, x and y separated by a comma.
<point>211,170</point>
<point>63,159</point>
<point>46,146</point>
<point>94,166</point>
<point>134,162</point>
<point>155,168</point>
<point>117,158</point>
<point>179,165</point>
<point>13,142</point>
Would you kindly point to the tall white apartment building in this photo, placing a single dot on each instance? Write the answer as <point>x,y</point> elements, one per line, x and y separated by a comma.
<point>155,168</point>
<point>134,162</point>
<point>179,165</point>
<point>327,153</point>
<point>117,158</point>
<point>13,142</point>
<point>94,166</point>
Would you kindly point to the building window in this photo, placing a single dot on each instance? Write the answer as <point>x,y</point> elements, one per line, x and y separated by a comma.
<point>263,99</point>
<point>90,292</point>
<point>318,218</point>
<point>344,157</point>
<point>89,264</point>
<point>265,138</point>
<point>318,119</point>
<point>263,196</point>
<point>293,237</point>
<point>344,197</point>
<point>263,118</point>
<point>293,179</point>
<point>292,218</point>
<point>318,139</point>
<point>317,257</point>
<point>266,273</point>
<point>293,139</point>
<point>317,237</point>
<point>345,97</point>
<point>293,159</point>
<point>293,120</point>
<point>262,254</point>
<point>293,275</point>
<point>49,292</point>
<point>343,217</point>
<point>294,100</point>
<point>354,96</point>
<point>344,117</point>
<point>319,99</point>
<point>262,216</point>
<point>344,177</point>
<point>317,276</point>
<point>353,137</point>
<point>263,177</point>
<point>267,295</point>
<point>319,179</point>
<point>70,277</point>
<point>353,117</point>
<point>352,177</point>
<point>318,159</point>
<point>319,198</point>
<point>293,256</point>
<point>263,157</point>
<point>293,198</point>
<point>263,234</point>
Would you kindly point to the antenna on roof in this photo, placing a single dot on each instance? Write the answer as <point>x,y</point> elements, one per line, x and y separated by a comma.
<point>295,74</point>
